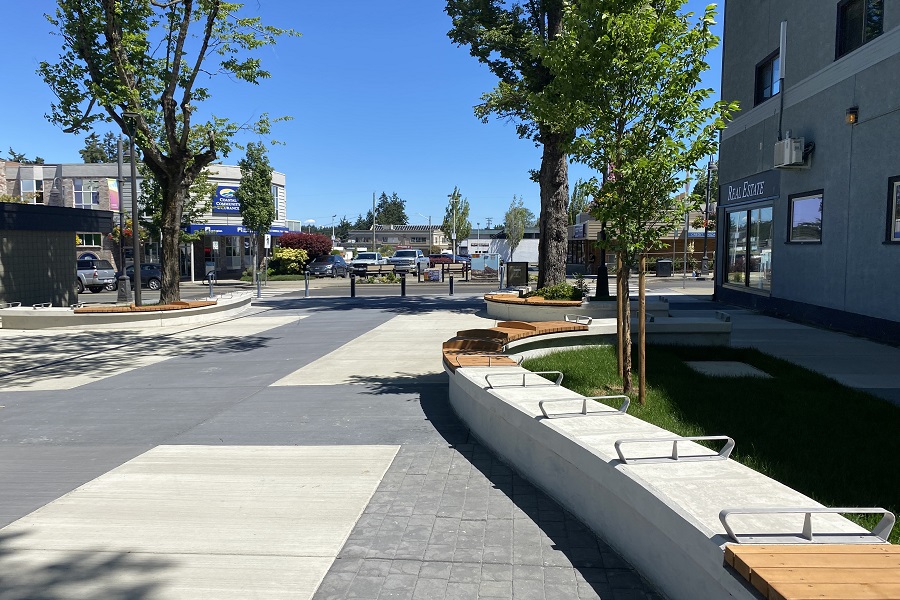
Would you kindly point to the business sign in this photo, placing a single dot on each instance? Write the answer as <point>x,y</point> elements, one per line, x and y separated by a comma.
<point>516,274</point>
<point>113,186</point>
<point>579,231</point>
<point>762,186</point>
<point>225,200</point>
<point>275,230</point>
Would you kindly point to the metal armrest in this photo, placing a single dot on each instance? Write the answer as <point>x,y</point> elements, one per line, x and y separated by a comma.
<point>626,401</point>
<point>580,319</point>
<point>524,375</point>
<point>723,454</point>
<point>882,530</point>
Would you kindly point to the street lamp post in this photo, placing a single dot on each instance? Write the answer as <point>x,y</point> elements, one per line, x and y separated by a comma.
<point>131,118</point>
<point>123,288</point>
<point>430,232</point>
<point>332,229</point>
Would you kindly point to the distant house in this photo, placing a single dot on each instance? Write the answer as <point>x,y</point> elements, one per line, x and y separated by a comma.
<point>422,237</point>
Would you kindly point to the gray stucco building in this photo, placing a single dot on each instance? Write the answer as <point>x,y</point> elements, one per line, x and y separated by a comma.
<point>810,226</point>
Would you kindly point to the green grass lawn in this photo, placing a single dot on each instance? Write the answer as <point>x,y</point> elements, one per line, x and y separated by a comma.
<point>837,445</point>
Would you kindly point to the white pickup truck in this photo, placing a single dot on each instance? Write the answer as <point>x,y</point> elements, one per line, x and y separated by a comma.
<point>409,260</point>
<point>366,259</point>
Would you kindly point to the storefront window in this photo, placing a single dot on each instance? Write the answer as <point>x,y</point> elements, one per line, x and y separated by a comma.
<point>760,274</point>
<point>735,267</point>
<point>232,245</point>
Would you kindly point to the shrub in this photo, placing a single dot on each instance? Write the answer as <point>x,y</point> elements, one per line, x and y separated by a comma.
<point>288,261</point>
<point>560,291</point>
<point>315,244</point>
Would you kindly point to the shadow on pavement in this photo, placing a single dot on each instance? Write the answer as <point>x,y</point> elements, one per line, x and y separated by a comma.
<point>409,305</point>
<point>108,575</point>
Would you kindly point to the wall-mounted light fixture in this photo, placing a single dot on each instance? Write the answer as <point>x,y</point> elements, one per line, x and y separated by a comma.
<point>852,117</point>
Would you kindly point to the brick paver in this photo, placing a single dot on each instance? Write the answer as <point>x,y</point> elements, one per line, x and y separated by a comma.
<point>455,522</point>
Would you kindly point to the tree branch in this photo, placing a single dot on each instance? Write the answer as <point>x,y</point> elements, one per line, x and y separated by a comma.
<point>189,85</point>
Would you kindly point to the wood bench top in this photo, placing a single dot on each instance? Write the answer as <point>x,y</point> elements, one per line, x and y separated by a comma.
<point>823,571</point>
<point>178,305</point>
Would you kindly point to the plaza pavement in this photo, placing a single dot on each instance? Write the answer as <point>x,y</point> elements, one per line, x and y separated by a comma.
<point>289,454</point>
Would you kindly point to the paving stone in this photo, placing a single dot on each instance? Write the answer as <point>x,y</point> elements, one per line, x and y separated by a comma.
<point>525,589</point>
<point>365,587</point>
<point>495,589</point>
<point>405,567</point>
<point>461,591</point>
<point>374,568</point>
<point>465,572</point>
<point>398,586</point>
<point>430,589</point>
<point>435,570</point>
<point>496,572</point>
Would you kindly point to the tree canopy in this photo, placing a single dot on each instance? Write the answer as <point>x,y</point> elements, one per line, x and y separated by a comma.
<point>20,157</point>
<point>458,224</point>
<point>98,150</point>
<point>512,39</point>
<point>514,223</point>
<point>390,210</point>
<point>254,194</point>
<point>148,66</point>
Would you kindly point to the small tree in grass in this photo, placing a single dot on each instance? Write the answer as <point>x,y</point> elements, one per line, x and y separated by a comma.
<point>255,196</point>
<point>628,76</point>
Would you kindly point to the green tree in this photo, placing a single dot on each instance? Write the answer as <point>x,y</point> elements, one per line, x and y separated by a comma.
<point>511,38</point>
<point>342,229</point>
<point>631,88</point>
<point>20,157</point>
<point>141,64</point>
<point>456,217</point>
<point>196,206</point>
<point>579,201</point>
<point>255,197</point>
<point>514,223</point>
<point>391,210</point>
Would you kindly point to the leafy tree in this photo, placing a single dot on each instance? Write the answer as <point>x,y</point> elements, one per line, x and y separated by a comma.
<point>342,229</point>
<point>461,225</point>
<point>12,199</point>
<point>288,261</point>
<point>511,38</point>
<point>146,58</point>
<point>255,197</point>
<point>514,224</point>
<point>361,223</point>
<point>391,210</point>
<point>579,201</point>
<point>196,206</point>
<point>315,244</point>
<point>100,151</point>
<point>20,157</point>
<point>632,71</point>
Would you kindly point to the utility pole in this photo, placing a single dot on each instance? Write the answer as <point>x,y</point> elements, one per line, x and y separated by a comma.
<point>373,221</point>
<point>704,267</point>
<point>455,249</point>
<point>489,221</point>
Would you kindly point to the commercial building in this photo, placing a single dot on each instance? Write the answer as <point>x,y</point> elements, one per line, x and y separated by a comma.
<point>224,244</point>
<point>422,237</point>
<point>809,204</point>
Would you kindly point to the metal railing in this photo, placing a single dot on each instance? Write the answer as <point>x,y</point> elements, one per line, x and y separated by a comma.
<point>10,305</point>
<point>723,454</point>
<point>623,409</point>
<point>579,319</point>
<point>487,378</point>
<point>881,531</point>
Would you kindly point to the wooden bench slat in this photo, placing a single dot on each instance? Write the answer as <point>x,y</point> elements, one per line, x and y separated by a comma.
<point>743,549</point>
<point>834,591</point>
<point>826,575</point>
<point>851,560</point>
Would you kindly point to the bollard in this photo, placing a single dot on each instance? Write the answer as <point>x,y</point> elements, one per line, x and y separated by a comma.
<point>306,290</point>
<point>258,285</point>
<point>211,276</point>
<point>353,285</point>
<point>451,284</point>
<point>403,284</point>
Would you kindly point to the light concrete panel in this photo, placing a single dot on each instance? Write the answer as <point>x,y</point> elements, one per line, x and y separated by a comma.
<point>250,521</point>
<point>405,346</point>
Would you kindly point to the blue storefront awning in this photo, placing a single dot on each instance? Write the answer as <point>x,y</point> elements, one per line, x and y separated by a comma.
<point>275,230</point>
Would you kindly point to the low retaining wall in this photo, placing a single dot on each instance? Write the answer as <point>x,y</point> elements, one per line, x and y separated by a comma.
<point>663,518</point>
<point>516,309</point>
<point>53,317</point>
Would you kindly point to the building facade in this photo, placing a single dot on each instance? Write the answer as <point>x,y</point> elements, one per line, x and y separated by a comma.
<point>809,201</point>
<point>223,246</point>
<point>421,237</point>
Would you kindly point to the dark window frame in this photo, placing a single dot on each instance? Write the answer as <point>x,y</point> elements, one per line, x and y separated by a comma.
<point>769,61</point>
<point>839,49</point>
<point>790,219</point>
<point>891,216</point>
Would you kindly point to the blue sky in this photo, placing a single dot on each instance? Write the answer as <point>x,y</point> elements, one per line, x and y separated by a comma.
<point>381,100</point>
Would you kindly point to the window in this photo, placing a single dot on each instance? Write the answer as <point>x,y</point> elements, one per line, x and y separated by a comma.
<point>806,218</point>
<point>767,82</point>
<point>32,191</point>
<point>87,193</point>
<point>418,240</point>
<point>894,209</point>
<point>274,190</point>
<point>232,245</point>
<point>89,239</point>
<point>858,22</point>
<point>735,267</point>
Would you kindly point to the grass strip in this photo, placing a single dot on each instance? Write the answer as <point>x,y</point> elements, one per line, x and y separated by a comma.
<point>837,445</point>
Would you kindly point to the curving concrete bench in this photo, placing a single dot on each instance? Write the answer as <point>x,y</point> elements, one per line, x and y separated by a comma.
<point>507,307</point>
<point>111,317</point>
<point>661,514</point>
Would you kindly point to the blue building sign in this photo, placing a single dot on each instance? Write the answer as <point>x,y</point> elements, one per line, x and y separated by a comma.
<point>225,200</point>
<point>275,230</point>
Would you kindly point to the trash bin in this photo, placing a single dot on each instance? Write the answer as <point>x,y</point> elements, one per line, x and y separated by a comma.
<point>664,267</point>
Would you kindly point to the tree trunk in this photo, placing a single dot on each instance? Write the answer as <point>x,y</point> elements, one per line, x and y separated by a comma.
<point>626,330</point>
<point>554,182</point>
<point>642,335</point>
<point>619,312</point>
<point>173,203</point>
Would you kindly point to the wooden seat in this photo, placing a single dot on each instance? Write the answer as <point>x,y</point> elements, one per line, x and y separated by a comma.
<point>823,571</point>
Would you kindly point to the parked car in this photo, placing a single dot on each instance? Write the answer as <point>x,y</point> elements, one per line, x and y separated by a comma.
<point>409,260</point>
<point>329,265</point>
<point>151,275</point>
<point>366,259</point>
<point>93,274</point>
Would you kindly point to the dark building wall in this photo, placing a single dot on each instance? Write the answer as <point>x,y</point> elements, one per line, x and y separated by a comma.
<point>37,267</point>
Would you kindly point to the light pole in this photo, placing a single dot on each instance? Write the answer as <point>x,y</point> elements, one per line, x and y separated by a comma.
<point>430,233</point>
<point>453,239</point>
<point>704,266</point>
<point>309,224</point>
<point>131,119</point>
<point>332,230</point>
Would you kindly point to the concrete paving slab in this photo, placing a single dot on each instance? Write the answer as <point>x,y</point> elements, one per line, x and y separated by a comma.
<point>406,346</point>
<point>726,368</point>
<point>206,514</point>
